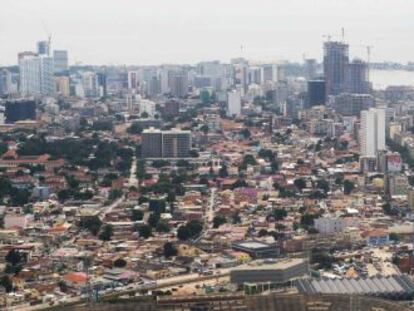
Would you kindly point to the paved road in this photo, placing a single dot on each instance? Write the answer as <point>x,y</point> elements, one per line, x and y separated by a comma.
<point>211,205</point>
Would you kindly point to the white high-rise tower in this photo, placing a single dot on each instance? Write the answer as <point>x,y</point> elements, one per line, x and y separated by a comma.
<point>372,131</point>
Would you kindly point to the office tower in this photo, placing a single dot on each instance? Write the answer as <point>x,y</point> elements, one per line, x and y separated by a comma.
<point>151,146</point>
<point>335,63</point>
<point>36,75</point>
<point>310,69</point>
<point>102,83</point>
<point>316,92</point>
<point>164,75</point>
<point>348,104</point>
<point>61,62</point>
<point>153,87</point>
<point>240,76</point>
<point>174,143</point>
<point>5,82</point>
<point>43,48</point>
<point>62,85</point>
<point>254,75</point>
<point>209,69</point>
<point>18,110</point>
<point>268,73</point>
<point>372,133</point>
<point>90,84</point>
<point>47,82</point>
<point>233,103</point>
<point>357,77</point>
<point>133,80</point>
<point>179,84</point>
<point>22,55</point>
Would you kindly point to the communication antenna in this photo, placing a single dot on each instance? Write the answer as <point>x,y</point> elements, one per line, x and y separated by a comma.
<point>49,37</point>
<point>369,47</point>
<point>343,34</point>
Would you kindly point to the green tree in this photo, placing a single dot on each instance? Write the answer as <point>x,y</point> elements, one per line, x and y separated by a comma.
<point>6,283</point>
<point>279,213</point>
<point>218,221</point>
<point>163,227</point>
<point>223,171</point>
<point>3,147</point>
<point>120,263</point>
<point>106,233</point>
<point>93,224</point>
<point>348,186</point>
<point>153,219</point>
<point>64,195</point>
<point>323,185</point>
<point>144,231</point>
<point>300,183</point>
<point>137,215</point>
<point>135,128</point>
<point>184,233</point>
<point>14,257</point>
<point>170,250</point>
<point>195,227</point>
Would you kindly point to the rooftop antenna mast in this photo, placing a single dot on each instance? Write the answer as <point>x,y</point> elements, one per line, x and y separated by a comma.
<point>369,47</point>
<point>49,37</point>
<point>343,34</point>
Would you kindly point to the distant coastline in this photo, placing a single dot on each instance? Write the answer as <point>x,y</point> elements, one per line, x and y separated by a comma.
<point>382,78</point>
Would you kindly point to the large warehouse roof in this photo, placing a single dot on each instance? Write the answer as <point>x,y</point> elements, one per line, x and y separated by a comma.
<point>395,286</point>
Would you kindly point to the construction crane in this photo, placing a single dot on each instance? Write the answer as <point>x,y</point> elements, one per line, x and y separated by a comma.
<point>368,50</point>
<point>328,37</point>
<point>49,37</point>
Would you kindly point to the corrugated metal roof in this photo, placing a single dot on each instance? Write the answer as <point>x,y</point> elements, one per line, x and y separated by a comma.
<point>395,286</point>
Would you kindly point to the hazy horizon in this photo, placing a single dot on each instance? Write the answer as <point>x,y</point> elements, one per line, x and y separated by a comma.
<point>109,32</point>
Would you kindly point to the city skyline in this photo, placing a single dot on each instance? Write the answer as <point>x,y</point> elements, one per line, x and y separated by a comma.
<point>184,32</point>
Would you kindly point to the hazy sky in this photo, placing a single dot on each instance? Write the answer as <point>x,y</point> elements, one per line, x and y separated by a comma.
<point>188,31</point>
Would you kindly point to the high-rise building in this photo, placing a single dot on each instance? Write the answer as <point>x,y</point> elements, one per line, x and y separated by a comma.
<point>174,143</point>
<point>348,104</point>
<point>102,83</point>
<point>179,84</point>
<point>151,143</point>
<point>18,110</point>
<point>90,84</point>
<point>316,92</point>
<point>335,63</point>
<point>268,73</point>
<point>233,103</point>
<point>60,59</point>
<point>5,82</point>
<point>310,69</point>
<point>36,75</point>
<point>153,87</point>
<point>62,85</point>
<point>43,48</point>
<point>372,132</point>
<point>133,80</point>
<point>357,77</point>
